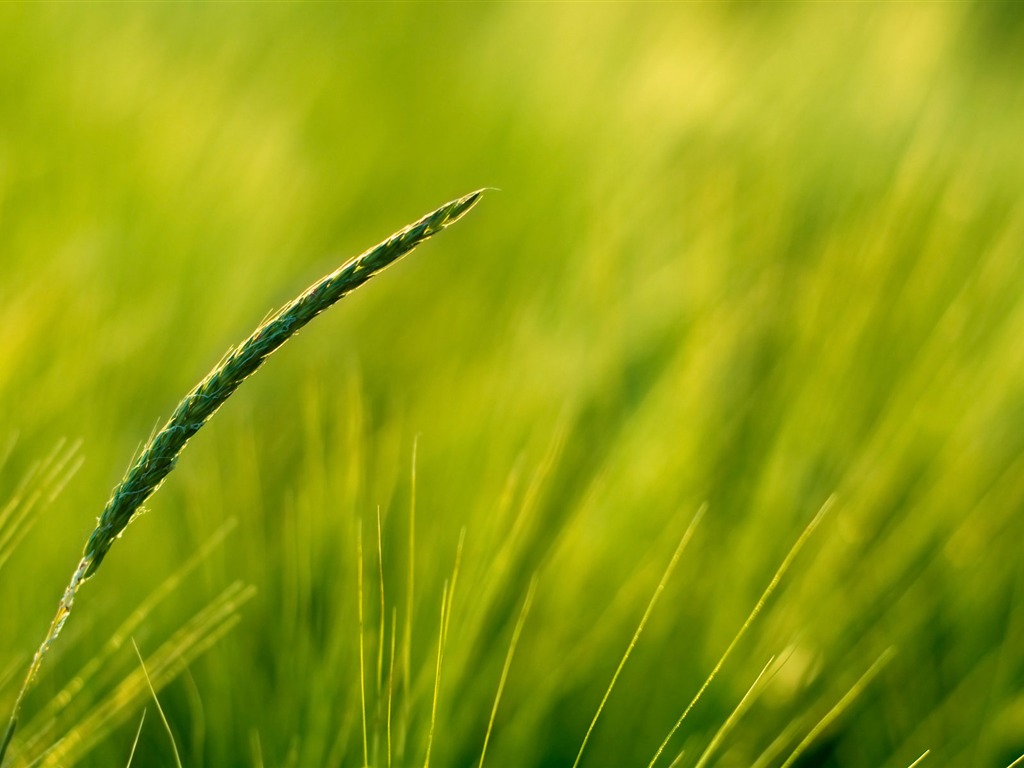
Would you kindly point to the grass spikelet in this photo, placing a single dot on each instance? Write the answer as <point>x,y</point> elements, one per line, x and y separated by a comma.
<point>159,456</point>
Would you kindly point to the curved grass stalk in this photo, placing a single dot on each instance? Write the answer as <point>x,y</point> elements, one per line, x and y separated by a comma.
<point>160,455</point>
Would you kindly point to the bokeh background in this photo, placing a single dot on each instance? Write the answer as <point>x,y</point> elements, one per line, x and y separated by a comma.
<point>754,255</point>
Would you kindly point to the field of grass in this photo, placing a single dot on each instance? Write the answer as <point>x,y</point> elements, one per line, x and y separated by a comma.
<point>756,259</point>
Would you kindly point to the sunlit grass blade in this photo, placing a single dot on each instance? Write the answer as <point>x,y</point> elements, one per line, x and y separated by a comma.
<point>643,622</point>
<point>840,707</point>
<point>403,729</point>
<point>730,722</point>
<point>516,632</point>
<point>437,671</point>
<point>391,678</point>
<point>454,578</point>
<point>8,735</point>
<point>774,749</point>
<point>159,707</point>
<point>381,637</point>
<point>135,741</point>
<point>383,607</point>
<point>362,663</point>
<point>447,600</point>
<point>917,763</point>
<point>758,607</point>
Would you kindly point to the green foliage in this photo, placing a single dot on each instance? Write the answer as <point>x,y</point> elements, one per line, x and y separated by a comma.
<point>748,254</point>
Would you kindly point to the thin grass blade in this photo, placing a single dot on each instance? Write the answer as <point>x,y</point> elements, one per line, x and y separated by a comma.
<point>758,607</point>
<point>643,622</point>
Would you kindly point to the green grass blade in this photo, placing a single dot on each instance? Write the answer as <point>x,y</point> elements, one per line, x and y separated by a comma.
<point>362,662</point>
<point>730,722</point>
<point>839,708</point>
<point>159,708</point>
<point>135,741</point>
<point>643,622</point>
<point>758,607</point>
<point>8,735</point>
<point>437,671</point>
<point>516,632</point>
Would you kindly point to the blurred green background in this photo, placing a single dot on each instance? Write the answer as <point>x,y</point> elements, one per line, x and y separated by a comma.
<point>747,254</point>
